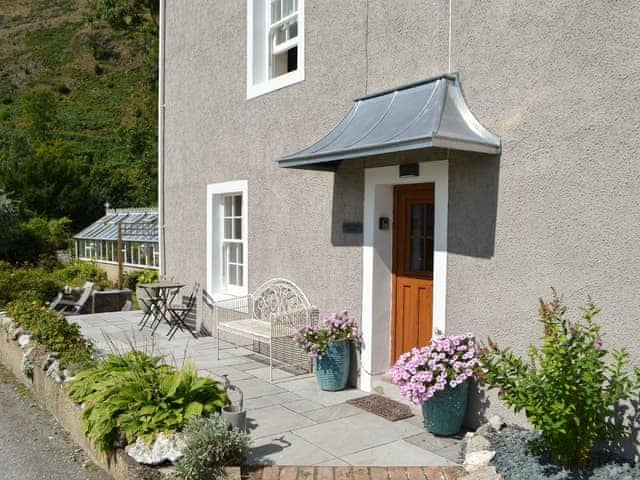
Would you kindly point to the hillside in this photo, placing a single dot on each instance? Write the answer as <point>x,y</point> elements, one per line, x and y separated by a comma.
<point>75,90</point>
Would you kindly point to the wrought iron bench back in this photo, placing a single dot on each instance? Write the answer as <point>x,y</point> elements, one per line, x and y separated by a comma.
<point>276,297</point>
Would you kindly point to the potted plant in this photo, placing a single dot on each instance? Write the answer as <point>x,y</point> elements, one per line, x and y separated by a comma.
<point>437,377</point>
<point>329,345</point>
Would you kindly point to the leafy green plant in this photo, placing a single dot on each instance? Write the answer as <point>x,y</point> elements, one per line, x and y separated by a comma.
<point>78,272</point>
<point>35,283</point>
<point>211,446</point>
<point>136,395</point>
<point>567,389</point>
<point>52,331</point>
<point>42,282</point>
<point>148,276</point>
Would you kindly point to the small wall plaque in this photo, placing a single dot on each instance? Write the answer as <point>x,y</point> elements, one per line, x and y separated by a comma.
<point>383,223</point>
<point>410,170</point>
<point>351,227</point>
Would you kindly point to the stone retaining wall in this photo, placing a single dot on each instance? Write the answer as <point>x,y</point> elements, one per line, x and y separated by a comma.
<point>52,395</point>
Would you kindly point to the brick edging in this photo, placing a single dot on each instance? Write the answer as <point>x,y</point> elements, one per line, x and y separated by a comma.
<point>351,473</point>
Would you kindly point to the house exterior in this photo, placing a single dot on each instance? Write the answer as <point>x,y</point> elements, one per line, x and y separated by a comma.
<point>475,235</point>
<point>138,229</point>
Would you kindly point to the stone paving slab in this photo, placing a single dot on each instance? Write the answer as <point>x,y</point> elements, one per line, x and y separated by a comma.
<point>275,419</point>
<point>356,433</point>
<point>286,449</point>
<point>290,419</point>
<point>399,453</point>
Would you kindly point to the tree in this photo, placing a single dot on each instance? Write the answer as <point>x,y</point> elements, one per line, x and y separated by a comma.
<point>38,107</point>
<point>52,182</point>
<point>130,14</point>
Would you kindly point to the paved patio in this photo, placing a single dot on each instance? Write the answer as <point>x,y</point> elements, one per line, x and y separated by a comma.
<point>291,421</point>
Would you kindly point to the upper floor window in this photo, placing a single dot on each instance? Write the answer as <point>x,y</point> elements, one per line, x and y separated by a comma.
<point>275,45</point>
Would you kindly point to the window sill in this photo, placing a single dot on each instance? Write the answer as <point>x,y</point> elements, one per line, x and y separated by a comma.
<point>274,84</point>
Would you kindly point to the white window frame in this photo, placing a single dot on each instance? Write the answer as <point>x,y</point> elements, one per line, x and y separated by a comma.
<point>215,228</point>
<point>257,87</point>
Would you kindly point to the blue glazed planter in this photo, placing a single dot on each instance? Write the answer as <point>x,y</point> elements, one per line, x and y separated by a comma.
<point>444,412</point>
<point>332,370</point>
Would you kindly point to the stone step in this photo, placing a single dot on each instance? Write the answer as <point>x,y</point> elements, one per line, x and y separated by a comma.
<point>351,473</point>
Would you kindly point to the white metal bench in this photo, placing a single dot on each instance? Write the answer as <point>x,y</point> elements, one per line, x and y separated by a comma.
<point>271,316</point>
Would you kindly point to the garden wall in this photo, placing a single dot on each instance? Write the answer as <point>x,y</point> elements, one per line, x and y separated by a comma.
<point>51,394</point>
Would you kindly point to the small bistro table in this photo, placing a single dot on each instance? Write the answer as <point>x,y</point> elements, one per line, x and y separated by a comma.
<point>161,294</point>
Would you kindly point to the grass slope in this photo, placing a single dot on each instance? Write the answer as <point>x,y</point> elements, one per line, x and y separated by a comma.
<point>104,82</point>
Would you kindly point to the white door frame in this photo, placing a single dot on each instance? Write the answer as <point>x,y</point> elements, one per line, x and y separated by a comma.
<point>377,254</point>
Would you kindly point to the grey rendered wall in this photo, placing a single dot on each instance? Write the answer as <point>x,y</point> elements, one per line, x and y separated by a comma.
<point>214,134</point>
<point>560,207</point>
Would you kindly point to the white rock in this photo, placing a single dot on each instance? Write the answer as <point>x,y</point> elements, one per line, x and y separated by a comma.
<point>24,339</point>
<point>486,473</point>
<point>54,371</point>
<point>162,449</point>
<point>7,321</point>
<point>478,460</point>
<point>496,423</point>
<point>477,443</point>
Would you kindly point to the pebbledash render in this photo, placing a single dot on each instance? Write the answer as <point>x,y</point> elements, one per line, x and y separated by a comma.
<point>485,152</point>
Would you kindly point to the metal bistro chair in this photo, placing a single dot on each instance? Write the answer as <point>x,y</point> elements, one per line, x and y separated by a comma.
<point>179,313</point>
<point>147,303</point>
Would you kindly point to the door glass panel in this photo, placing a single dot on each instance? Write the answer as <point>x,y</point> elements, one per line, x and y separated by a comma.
<point>429,220</point>
<point>429,255</point>
<point>416,254</point>
<point>417,219</point>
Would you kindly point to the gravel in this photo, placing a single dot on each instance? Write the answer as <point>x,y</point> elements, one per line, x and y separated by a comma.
<point>515,462</point>
<point>32,444</point>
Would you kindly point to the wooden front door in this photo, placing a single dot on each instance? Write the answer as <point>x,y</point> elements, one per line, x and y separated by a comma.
<point>412,267</point>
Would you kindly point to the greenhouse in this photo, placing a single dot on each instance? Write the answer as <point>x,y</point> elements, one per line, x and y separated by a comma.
<point>138,231</point>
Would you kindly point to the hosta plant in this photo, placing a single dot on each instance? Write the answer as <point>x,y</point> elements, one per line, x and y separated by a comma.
<point>336,327</point>
<point>448,361</point>
<point>569,387</point>
<point>136,395</point>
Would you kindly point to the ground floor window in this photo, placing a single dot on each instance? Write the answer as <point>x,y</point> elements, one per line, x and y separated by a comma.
<point>227,238</point>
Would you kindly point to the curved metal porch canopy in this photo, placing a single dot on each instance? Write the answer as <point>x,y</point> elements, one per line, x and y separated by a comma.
<point>425,114</point>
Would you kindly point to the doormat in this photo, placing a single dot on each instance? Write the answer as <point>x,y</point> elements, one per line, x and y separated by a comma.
<point>383,407</point>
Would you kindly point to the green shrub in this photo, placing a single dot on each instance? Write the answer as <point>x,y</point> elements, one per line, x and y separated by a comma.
<point>28,241</point>
<point>34,283</point>
<point>135,395</point>
<point>78,272</point>
<point>148,276</point>
<point>211,446</point>
<point>567,389</point>
<point>52,331</point>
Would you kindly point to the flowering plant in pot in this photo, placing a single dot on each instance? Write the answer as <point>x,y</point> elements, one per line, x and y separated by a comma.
<point>437,377</point>
<point>329,346</point>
